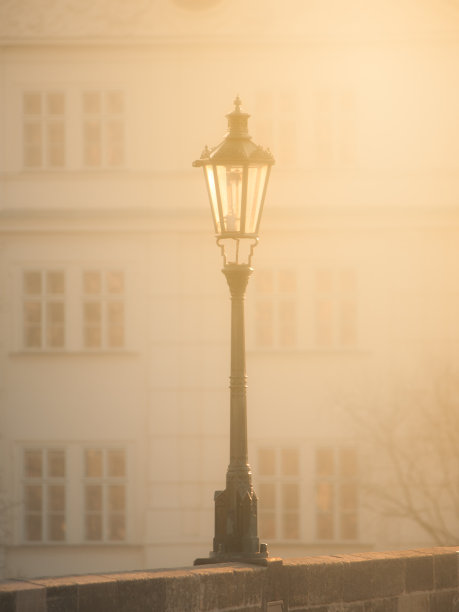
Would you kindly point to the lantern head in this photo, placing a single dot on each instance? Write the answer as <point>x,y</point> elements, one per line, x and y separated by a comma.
<point>236,172</point>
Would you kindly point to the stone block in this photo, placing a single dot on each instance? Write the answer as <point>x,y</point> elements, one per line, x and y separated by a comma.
<point>382,605</point>
<point>7,601</point>
<point>96,593</point>
<point>443,601</point>
<point>230,586</point>
<point>182,593</point>
<point>60,598</point>
<point>297,583</point>
<point>445,570</point>
<point>22,596</point>
<point>377,576</point>
<point>31,599</point>
<point>275,583</point>
<point>140,591</point>
<point>61,593</point>
<point>352,607</point>
<point>8,595</point>
<point>419,572</point>
<point>325,581</point>
<point>415,602</point>
<point>314,580</point>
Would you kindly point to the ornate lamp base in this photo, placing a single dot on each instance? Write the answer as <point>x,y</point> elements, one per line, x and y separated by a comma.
<point>257,558</point>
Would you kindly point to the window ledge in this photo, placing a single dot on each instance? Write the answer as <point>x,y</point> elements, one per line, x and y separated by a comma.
<point>70,172</point>
<point>81,544</point>
<point>358,352</point>
<point>75,353</point>
<point>328,544</point>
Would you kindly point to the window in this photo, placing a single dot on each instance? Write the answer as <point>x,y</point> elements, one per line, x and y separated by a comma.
<point>335,308</point>
<point>103,309</point>
<point>278,493</point>
<point>44,473</point>
<point>43,309</point>
<point>334,128</point>
<point>72,309</point>
<point>336,472</point>
<point>275,308</point>
<point>45,115</point>
<point>105,494</point>
<point>93,477</point>
<point>44,129</point>
<point>103,129</point>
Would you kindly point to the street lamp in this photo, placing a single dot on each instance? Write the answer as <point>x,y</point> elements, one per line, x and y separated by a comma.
<point>236,173</point>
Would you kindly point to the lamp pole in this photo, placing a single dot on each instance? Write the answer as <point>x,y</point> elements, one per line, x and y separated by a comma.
<point>237,173</point>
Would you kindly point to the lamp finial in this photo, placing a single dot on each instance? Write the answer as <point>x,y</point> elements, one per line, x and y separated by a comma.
<point>237,103</point>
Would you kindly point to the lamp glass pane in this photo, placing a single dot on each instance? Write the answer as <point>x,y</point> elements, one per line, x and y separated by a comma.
<point>209,173</point>
<point>257,176</point>
<point>230,185</point>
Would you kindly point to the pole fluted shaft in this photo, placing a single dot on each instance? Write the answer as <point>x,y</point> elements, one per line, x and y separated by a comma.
<point>237,280</point>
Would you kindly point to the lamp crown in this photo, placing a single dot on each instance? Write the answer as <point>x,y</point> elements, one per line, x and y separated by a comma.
<point>237,147</point>
<point>238,121</point>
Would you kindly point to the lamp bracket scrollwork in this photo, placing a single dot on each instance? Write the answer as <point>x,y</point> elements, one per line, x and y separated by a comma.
<point>237,252</point>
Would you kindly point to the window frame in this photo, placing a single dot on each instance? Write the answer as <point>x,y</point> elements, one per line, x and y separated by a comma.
<point>336,480</point>
<point>276,300</point>
<point>277,120</point>
<point>339,298</point>
<point>44,120</point>
<point>102,119</point>
<point>105,482</point>
<point>45,300</point>
<point>279,481</point>
<point>334,135</point>
<point>45,481</point>
<point>104,299</point>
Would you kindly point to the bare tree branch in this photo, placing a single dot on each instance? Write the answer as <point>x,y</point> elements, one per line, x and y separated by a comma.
<point>415,442</point>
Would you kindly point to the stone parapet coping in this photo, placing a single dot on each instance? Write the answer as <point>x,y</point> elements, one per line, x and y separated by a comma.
<point>403,581</point>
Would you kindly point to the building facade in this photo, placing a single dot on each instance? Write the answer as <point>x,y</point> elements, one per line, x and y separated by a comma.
<point>114,317</point>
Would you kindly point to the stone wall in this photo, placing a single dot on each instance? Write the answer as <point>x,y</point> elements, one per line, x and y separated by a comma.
<point>409,581</point>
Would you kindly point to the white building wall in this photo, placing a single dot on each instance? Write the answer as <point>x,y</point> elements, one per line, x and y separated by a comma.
<point>359,109</point>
